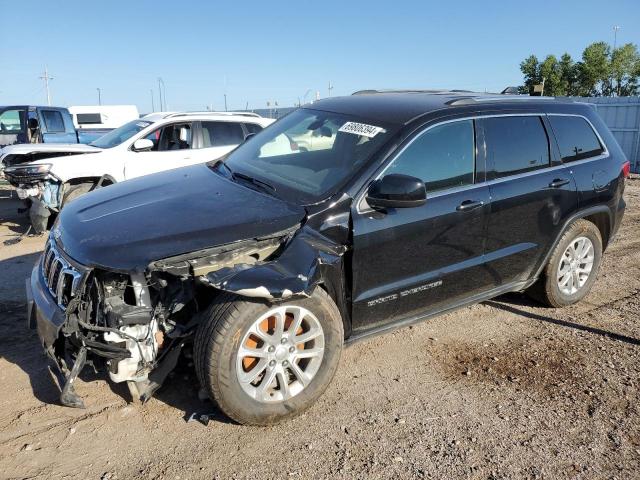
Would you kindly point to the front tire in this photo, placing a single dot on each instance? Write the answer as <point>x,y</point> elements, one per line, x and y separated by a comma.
<point>572,268</point>
<point>263,363</point>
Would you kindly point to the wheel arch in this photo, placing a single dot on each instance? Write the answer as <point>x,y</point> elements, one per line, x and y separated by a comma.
<point>600,216</point>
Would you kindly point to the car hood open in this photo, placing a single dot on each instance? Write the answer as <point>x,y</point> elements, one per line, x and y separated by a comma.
<point>126,226</point>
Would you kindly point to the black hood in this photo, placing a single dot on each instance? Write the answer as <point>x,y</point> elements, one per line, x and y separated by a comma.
<point>126,226</point>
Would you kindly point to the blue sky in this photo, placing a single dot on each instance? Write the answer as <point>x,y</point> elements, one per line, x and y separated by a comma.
<point>256,51</point>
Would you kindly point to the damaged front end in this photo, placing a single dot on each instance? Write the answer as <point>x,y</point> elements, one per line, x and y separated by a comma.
<point>39,189</point>
<point>136,325</point>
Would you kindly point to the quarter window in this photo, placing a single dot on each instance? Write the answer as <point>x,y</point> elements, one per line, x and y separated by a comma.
<point>53,121</point>
<point>221,134</point>
<point>515,144</point>
<point>442,157</point>
<point>575,137</point>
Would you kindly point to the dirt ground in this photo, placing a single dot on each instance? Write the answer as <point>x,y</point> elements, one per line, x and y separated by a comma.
<point>502,390</point>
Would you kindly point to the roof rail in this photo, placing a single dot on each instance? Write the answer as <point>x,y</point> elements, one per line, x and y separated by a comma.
<point>495,98</point>
<point>411,90</point>
<point>240,114</point>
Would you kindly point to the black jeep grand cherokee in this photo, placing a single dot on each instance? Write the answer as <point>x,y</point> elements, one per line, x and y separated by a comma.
<point>346,219</point>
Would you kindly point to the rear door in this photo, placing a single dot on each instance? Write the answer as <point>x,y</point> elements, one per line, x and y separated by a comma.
<point>172,148</point>
<point>532,194</point>
<point>408,261</point>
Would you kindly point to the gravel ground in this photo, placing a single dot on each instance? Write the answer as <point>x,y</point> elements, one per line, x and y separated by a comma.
<point>502,390</point>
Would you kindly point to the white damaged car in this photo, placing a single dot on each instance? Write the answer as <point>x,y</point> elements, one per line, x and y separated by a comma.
<point>49,176</point>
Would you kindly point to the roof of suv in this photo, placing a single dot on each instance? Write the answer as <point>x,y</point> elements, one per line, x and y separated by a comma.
<point>228,116</point>
<point>403,106</point>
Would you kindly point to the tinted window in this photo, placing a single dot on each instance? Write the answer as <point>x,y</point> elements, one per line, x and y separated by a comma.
<point>253,127</point>
<point>515,144</point>
<point>53,121</point>
<point>575,137</point>
<point>443,157</point>
<point>221,134</point>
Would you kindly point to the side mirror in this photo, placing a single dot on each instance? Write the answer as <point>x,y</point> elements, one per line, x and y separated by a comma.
<point>397,191</point>
<point>142,145</point>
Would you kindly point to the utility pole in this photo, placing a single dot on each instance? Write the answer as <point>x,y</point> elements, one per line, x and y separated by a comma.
<point>615,37</point>
<point>153,106</point>
<point>46,79</point>
<point>163,95</point>
<point>330,87</point>
<point>99,96</point>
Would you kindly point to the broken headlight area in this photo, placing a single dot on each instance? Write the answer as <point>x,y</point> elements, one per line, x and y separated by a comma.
<point>131,328</point>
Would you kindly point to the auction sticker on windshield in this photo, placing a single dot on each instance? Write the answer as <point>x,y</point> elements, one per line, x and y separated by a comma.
<point>361,129</point>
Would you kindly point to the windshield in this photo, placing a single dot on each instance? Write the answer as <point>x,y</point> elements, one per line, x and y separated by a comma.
<point>120,134</point>
<point>309,154</point>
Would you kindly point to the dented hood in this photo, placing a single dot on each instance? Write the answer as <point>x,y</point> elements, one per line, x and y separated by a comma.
<point>126,226</point>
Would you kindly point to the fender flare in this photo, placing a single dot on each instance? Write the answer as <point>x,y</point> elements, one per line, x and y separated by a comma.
<point>576,216</point>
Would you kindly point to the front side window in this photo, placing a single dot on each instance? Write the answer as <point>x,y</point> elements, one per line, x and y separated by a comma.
<point>221,134</point>
<point>442,157</point>
<point>515,144</point>
<point>176,136</point>
<point>117,136</point>
<point>575,137</point>
<point>252,128</point>
<point>53,121</point>
<point>12,121</point>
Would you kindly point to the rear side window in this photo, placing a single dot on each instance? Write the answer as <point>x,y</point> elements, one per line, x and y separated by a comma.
<point>53,121</point>
<point>442,157</point>
<point>575,137</point>
<point>221,134</point>
<point>515,144</point>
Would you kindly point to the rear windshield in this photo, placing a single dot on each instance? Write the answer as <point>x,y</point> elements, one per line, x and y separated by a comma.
<point>309,154</point>
<point>575,137</point>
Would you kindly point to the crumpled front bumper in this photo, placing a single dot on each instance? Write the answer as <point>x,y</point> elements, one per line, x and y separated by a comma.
<point>43,313</point>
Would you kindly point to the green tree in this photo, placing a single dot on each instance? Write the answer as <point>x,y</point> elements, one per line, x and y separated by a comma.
<point>595,70</point>
<point>601,72</point>
<point>625,69</point>
<point>530,68</point>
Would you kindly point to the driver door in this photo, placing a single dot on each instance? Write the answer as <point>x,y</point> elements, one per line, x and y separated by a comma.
<point>411,261</point>
<point>172,148</point>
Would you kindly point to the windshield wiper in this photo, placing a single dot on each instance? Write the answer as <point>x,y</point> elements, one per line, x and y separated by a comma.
<point>264,186</point>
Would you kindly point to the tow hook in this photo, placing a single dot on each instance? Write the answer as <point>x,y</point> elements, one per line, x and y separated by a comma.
<point>69,397</point>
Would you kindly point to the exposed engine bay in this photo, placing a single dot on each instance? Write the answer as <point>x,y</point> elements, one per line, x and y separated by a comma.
<point>136,325</point>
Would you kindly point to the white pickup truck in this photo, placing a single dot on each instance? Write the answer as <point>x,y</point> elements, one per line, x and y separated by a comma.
<point>48,176</point>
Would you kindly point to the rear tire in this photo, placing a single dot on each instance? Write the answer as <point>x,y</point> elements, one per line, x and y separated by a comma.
<point>292,374</point>
<point>572,268</point>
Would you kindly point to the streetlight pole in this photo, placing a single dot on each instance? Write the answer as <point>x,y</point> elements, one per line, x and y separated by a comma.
<point>225,102</point>
<point>99,96</point>
<point>153,106</point>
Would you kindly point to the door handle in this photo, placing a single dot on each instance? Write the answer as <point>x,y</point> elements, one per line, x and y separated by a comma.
<point>559,182</point>
<point>469,205</point>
